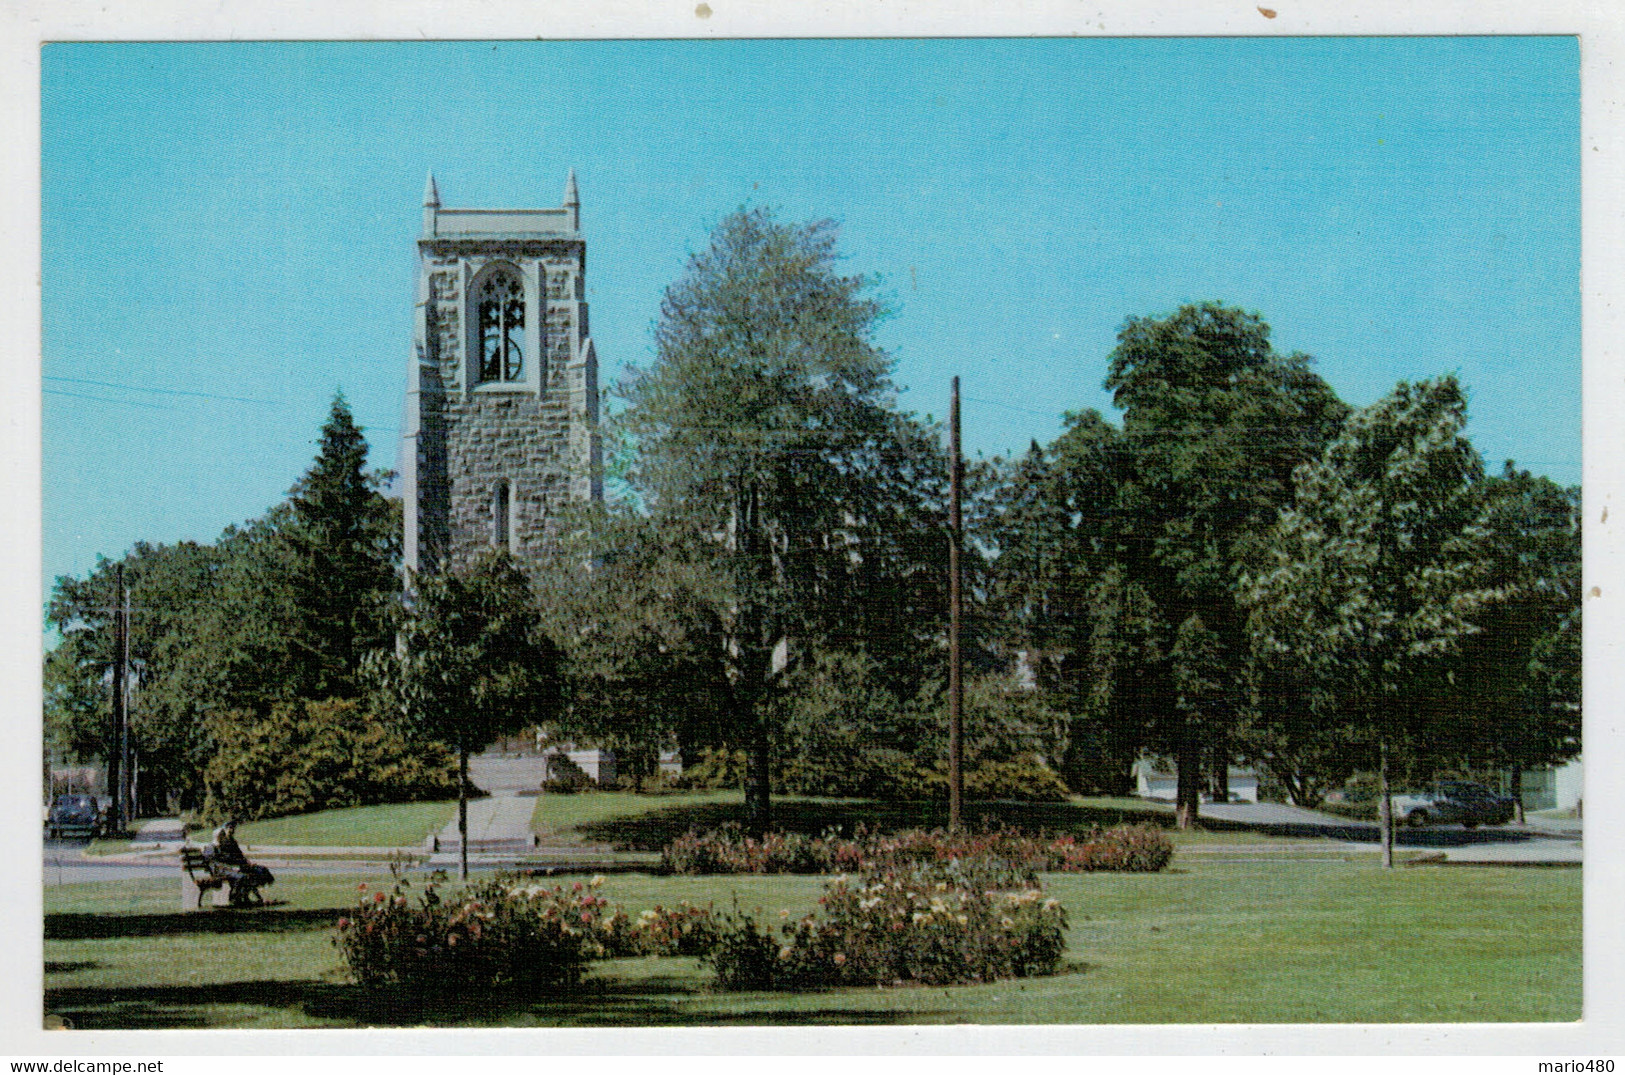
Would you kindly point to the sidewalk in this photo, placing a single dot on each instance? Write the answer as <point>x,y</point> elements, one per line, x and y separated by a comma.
<point>501,820</point>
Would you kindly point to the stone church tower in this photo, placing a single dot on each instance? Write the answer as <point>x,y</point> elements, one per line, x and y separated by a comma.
<point>500,430</point>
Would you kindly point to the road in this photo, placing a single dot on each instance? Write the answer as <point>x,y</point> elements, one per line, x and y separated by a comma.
<point>1535,842</point>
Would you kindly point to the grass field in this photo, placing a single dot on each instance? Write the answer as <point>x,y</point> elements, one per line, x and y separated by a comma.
<point>648,823</point>
<point>1210,940</point>
<point>394,825</point>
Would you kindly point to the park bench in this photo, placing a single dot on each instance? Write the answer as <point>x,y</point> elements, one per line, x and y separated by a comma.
<point>209,875</point>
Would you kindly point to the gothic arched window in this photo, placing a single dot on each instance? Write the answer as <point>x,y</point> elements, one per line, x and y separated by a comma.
<point>501,312</point>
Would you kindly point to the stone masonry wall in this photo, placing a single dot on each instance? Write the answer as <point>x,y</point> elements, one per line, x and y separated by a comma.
<point>474,440</point>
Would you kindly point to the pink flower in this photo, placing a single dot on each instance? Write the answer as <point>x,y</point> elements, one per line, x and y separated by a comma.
<point>378,897</point>
<point>362,887</point>
<point>576,887</point>
<point>586,916</point>
<point>344,923</point>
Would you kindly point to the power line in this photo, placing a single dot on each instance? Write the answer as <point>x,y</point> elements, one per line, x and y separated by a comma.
<point>104,399</point>
<point>166,391</point>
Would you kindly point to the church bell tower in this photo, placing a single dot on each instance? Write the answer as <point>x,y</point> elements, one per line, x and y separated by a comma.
<point>500,430</point>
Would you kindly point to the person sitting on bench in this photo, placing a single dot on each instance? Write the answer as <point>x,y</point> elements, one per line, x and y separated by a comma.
<point>227,852</point>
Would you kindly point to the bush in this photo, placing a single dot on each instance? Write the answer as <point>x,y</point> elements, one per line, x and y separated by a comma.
<point>915,925</point>
<point>565,777</point>
<point>716,769</point>
<point>486,936</point>
<point>686,930</point>
<point>728,850</point>
<point>504,932</point>
<point>305,756</point>
<point>1026,777</point>
<point>1126,848</point>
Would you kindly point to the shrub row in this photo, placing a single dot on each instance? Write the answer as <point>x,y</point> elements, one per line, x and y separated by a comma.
<point>502,933</point>
<point>908,925</point>
<point>940,923</point>
<point>1126,848</point>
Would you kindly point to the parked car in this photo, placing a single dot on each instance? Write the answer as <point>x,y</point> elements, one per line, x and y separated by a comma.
<point>73,815</point>
<point>1454,801</point>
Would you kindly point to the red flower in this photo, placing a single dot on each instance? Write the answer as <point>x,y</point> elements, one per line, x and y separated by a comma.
<point>378,897</point>
<point>344,923</point>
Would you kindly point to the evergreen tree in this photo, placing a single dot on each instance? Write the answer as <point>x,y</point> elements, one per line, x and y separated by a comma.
<point>344,543</point>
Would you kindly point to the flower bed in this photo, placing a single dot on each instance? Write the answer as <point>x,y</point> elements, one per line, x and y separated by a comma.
<point>485,935</point>
<point>1126,848</point>
<point>500,932</point>
<point>913,925</point>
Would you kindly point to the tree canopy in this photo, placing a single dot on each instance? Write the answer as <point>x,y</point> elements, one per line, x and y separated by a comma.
<point>280,609</point>
<point>771,453</point>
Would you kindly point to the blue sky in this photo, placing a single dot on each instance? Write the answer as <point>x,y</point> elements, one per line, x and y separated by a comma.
<point>228,229</point>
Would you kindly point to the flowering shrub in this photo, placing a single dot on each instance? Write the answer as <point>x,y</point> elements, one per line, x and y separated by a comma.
<point>1125,849</point>
<point>486,935</point>
<point>685,930</point>
<point>898,926</point>
<point>1131,848</point>
<point>500,932</point>
<point>728,850</point>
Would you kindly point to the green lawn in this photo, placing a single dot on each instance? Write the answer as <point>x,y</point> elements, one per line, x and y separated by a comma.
<point>394,825</point>
<point>649,822</point>
<point>1210,940</point>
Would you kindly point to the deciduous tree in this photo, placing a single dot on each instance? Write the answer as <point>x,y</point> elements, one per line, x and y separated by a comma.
<point>767,435</point>
<point>471,663</point>
<point>1375,570</point>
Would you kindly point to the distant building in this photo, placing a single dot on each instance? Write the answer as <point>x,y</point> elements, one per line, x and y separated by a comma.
<point>1554,787</point>
<point>1158,778</point>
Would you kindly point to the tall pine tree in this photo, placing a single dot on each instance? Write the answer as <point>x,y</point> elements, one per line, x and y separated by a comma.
<point>344,544</point>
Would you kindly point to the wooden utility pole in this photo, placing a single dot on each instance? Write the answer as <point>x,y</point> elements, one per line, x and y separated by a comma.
<point>116,742</point>
<point>126,762</point>
<point>956,684</point>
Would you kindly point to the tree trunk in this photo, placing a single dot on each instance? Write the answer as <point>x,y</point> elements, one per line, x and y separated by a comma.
<point>1385,803</point>
<point>1517,793</point>
<point>462,809</point>
<point>755,657</point>
<point>1188,794</point>
<point>756,794</point>
<point>1221,770</point>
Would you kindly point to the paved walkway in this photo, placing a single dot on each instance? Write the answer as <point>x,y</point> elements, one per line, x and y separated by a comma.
<point>498,819</point>
<point>161,830</point>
